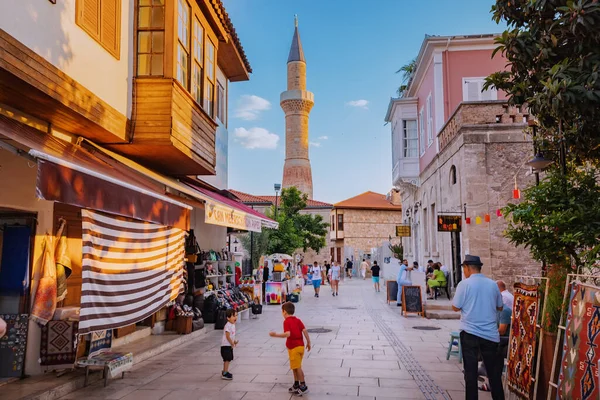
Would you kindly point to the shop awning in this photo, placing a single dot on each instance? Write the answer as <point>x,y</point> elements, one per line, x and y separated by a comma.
<point>69,174</point>
<point>221,210</point>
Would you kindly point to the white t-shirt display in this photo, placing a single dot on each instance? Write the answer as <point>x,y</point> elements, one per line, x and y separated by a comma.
<point>229,327</point>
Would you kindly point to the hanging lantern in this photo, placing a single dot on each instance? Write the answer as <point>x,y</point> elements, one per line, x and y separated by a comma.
<point>468,220</point>
<point>498,213</point>
<point>478,220</point>
<point>487,217</point>
<point>516,191</point>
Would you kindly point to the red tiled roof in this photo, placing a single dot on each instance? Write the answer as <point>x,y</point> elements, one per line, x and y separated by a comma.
<point>368,201</point>
<point>250,198</point>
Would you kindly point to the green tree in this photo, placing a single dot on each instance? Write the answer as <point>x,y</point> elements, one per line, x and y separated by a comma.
<point>296,230</point>
<point>256,244</point>
<point>553,53</point>
<point>407,72</point>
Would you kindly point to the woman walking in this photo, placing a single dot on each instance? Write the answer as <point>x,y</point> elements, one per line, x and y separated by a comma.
<point>363,269</point>
<point>335,273</point>
<point>316,278</point>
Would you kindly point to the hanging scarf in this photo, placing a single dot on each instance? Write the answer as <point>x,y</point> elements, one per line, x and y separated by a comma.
<point>63,269</point>
<point>44,303</point>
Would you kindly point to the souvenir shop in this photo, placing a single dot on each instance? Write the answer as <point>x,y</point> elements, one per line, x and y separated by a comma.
<point>555,363</point>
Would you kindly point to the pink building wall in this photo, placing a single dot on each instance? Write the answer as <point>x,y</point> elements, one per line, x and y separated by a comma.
<point>467,64</point>
<point>426,88</point>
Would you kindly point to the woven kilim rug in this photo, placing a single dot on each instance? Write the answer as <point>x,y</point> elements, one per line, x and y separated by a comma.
<point>521,351</point>
<point>58,345</point>
<point>581,348</point>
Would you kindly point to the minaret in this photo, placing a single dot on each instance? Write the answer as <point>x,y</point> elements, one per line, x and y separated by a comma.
<point>296,103</point>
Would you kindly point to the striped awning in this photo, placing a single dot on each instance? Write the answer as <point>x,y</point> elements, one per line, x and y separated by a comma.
<point>130,270</point>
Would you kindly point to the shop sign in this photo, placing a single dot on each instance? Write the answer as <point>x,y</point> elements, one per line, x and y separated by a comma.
<point>218,214</point>
<point>449,223</point>
<point>403,231</point>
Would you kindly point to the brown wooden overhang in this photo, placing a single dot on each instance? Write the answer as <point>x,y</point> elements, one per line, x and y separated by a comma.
<point>170,131</point>
<point>30,83</point>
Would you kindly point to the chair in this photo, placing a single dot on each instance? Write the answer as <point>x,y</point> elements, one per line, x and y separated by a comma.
<point>454,336</point>
<point>446,288</point>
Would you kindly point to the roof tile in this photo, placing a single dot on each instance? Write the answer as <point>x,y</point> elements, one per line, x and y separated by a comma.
<point>368,201</point>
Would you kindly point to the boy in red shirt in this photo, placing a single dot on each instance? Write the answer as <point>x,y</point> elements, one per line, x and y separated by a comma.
<point>293,330</point>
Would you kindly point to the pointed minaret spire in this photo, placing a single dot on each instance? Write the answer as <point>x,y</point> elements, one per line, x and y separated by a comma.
<point>296,53</point>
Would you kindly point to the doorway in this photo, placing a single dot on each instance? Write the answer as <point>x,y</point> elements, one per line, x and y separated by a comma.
<point>456,269</point>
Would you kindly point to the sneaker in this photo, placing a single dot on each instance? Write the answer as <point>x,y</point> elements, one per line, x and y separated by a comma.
<point>333,293</point>
<point>226,376</point>
<point>294,388</point>
<point>301,391</point>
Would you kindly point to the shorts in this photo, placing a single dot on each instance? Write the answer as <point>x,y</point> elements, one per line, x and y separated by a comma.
<point>296,354</point>
<point>227,353</point>
<point>316,283</point>
<point>375,279</point>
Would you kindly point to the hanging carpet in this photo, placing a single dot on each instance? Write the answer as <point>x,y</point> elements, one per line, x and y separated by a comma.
<point>578,377</point>
<point>130,270</point>
<point>58,345</point>
<point>522,346</point>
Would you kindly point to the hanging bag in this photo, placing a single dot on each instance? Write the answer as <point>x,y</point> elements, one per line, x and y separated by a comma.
<point>191,247</point>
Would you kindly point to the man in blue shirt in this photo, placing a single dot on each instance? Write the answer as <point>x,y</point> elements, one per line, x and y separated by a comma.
<point>403,279</point>
<point>479,300</point>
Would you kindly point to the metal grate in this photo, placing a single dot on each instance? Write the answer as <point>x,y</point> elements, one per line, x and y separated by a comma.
<point>427,328</point>
<point>346,308</point>
<point>318,330</point>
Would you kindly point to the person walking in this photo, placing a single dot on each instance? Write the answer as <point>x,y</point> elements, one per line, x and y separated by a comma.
<point>479,300</point>
<point>265,278</point>
<point>375,269</point>
<point>403,280</point>
<point>316,278</point>
<point>363,269</point>
<point>327,268</point>
<point>334,274</point>
<point>349,266</point>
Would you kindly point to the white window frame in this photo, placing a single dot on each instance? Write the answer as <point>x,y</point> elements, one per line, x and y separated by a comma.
<point>421,132</point>
<point>480,81</point>
<point>429,121</point>
<point>407,150</point>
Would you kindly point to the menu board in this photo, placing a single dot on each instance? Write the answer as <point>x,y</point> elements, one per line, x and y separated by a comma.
<point>12,345</point>
<point>411,300</point>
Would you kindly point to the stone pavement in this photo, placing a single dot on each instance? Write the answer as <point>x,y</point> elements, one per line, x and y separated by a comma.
<point>371,353</point>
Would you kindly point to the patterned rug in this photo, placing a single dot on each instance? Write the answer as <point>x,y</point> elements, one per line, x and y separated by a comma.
<point>521,352</point>
<point>100,342</point>
<point>58,346</point>
<point>581,352</point>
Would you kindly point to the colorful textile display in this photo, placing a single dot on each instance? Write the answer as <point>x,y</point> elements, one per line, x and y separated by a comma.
<point>130,270</point>
<point>116,362</point>
<point>59,343</point>
<point>581,348</point>
<point>100,342</point>
<point>522,346</point>
<point>44,303</point>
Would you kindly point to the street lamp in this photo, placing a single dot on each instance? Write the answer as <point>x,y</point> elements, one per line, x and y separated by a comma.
<point>277,187</point>
<point>539,162</point>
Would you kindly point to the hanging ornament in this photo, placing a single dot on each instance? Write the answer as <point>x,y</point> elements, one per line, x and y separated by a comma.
<point>498,213</point>
<point>487,217</point>
<point>516,191</point>
<point>478,220</point>
<point>468,220</point>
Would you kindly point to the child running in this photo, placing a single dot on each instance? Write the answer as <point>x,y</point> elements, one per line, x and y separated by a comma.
<point>228,343</point>
<point>293,329</point>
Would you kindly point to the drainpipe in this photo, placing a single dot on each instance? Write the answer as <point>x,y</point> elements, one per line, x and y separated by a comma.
<point>446,79</point>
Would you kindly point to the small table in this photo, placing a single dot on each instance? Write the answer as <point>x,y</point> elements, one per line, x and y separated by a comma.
<point>111,363</point>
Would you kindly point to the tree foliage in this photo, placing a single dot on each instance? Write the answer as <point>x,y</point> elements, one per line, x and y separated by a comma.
<point>256,244</point>
<point>553,53</point>
<point>407,72</point>
<point>296,230</point>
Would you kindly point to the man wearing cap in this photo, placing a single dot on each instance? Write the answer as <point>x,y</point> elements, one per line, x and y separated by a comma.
<point>479,300</point>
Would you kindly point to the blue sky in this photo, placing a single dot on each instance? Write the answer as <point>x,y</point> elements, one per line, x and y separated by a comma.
<point>352,50</point>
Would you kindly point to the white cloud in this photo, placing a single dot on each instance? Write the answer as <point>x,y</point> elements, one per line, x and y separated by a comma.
<point>256,138</point>
<point>315,144</point>
<point>358,103</point>
<point>250,106</point>
<point>323,137</point>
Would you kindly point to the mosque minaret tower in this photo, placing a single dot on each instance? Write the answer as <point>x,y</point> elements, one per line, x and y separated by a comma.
<point>296,103</point>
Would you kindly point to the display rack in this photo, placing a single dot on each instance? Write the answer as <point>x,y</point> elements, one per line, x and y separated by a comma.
<point>222,278</point>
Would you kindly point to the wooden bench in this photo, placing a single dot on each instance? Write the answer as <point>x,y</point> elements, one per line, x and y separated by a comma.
<point>109,362</point>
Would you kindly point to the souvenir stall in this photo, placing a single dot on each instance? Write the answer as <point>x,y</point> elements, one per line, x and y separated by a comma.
<point>283,286</point>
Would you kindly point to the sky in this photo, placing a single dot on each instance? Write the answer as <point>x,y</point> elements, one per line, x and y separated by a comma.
<point>352,50</point>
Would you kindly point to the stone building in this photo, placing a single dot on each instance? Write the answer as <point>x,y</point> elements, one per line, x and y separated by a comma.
<point>458,151</point>
<point>362,223</point>
<point>296,103</point>
<point>314,207</point>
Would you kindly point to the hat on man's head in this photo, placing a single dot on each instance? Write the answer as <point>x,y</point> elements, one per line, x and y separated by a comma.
<point>472,260</point>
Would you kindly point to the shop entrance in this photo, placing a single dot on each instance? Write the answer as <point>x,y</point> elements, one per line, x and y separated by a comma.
<point>17,233</point>
<point>456,269</point>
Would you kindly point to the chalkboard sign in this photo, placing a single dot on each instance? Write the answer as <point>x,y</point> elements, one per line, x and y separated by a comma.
<point>12,345</point>
<point>411,300</point>
<point>392,291</point>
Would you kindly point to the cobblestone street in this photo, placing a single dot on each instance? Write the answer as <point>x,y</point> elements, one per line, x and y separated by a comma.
<point>371,353</point>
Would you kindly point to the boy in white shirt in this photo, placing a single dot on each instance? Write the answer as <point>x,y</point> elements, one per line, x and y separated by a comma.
<point>228,343</point>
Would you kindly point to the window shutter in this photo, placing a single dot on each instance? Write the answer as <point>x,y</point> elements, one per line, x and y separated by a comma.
<point>88,17</point>
<point>110,28</point>
<point>473,90</point>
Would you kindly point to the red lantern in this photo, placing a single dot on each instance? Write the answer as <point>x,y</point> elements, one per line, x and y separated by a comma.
<point>498,212</point>
<point>516,194</point>
<point>468,220</point>
<point>487,217</point>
